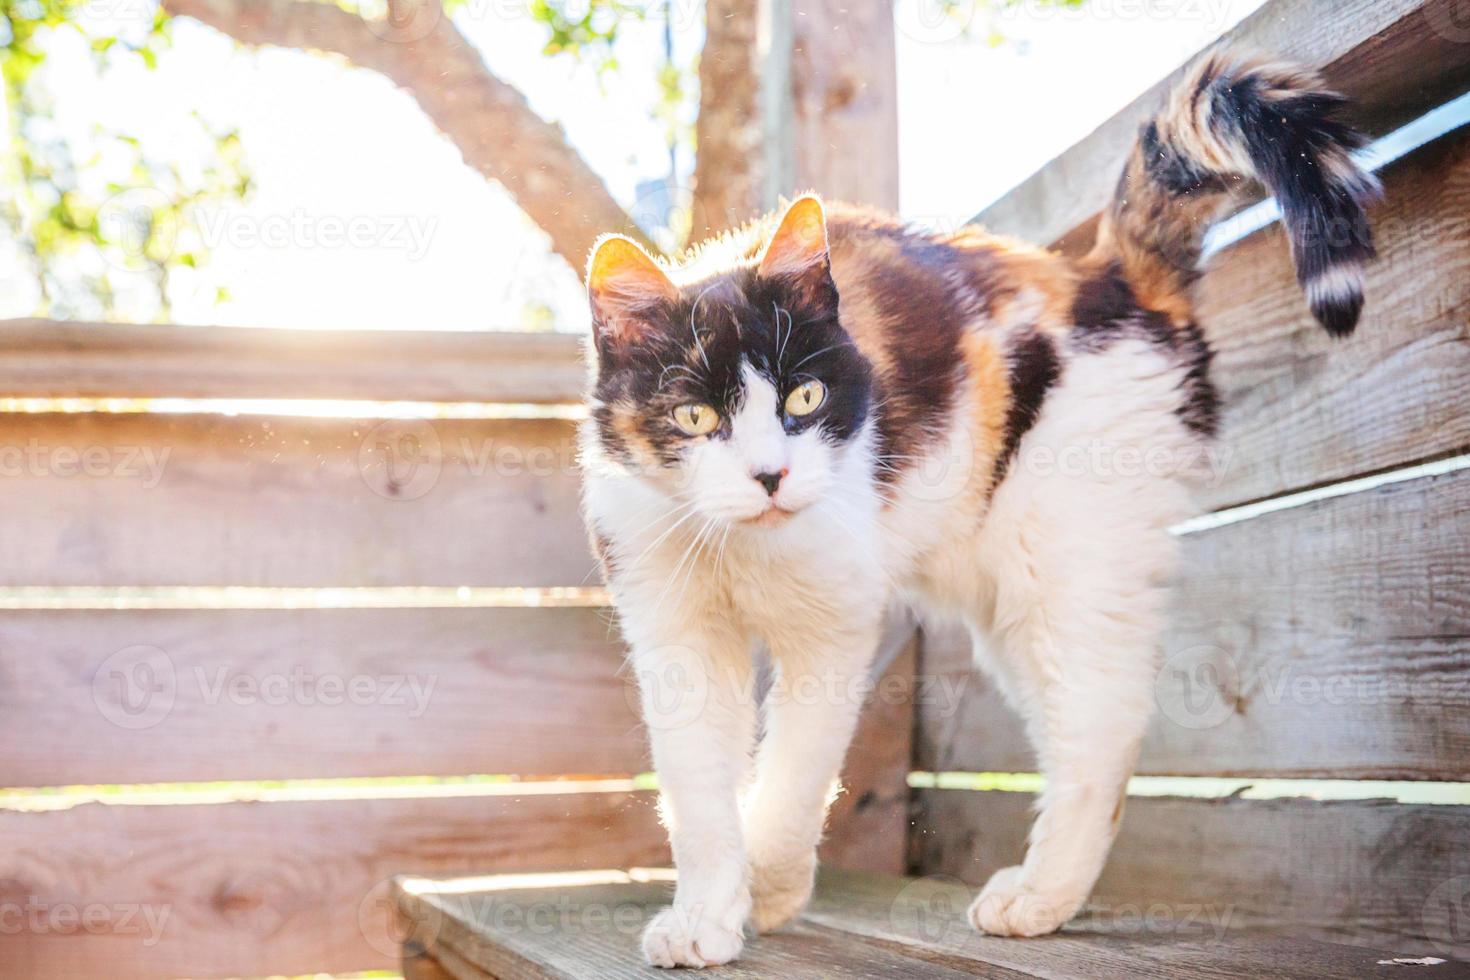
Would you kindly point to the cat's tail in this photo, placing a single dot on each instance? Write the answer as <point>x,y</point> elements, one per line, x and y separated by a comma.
<point>1231,120</point>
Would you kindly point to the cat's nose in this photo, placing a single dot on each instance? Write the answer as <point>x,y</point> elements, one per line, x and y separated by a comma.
<point>770,481</point>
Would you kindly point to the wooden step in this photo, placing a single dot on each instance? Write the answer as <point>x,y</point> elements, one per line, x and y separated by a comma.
<point>587,924</point>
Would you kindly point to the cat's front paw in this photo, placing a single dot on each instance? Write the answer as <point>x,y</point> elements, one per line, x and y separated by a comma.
<point>680,936</point>
<point>779,891</point>
<point>1009,905</point>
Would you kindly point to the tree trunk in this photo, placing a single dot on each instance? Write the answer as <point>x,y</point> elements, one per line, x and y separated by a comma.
<point>728,166</point>
<point>844,100</point>
<point>421,50</point>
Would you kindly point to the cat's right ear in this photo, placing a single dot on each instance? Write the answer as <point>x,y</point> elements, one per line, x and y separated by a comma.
<point>627,290</point>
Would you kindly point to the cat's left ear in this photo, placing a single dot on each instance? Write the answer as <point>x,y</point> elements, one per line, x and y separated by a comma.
<point>800,242</point>
<point>797,254</point>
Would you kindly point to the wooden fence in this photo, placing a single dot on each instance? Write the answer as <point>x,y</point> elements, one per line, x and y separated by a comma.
<point>1321,631</point>
<point>198,593</point>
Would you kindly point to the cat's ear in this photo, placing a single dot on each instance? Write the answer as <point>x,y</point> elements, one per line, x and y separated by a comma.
<point>797,257</point>
<point>627,290</point>
<point>799,246</point>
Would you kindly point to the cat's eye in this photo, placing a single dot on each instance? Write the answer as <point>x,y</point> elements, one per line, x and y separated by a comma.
<point>696,419</point>
<point>806,398</point>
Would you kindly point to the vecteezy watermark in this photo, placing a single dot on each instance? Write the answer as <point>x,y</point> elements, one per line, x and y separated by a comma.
<point>1204,686</point>
<point>142,225</point>
<point>1206,463</point>
<point>24,913</point>
<point>34,458</point>
<point>138,687</point>
<point>676,684</point>
<point>300,229</point>
<point>1446,915</point>
<point>1198,687</point>
<point>310,689</point>
<point>936,909</point>
<point>401,459</point>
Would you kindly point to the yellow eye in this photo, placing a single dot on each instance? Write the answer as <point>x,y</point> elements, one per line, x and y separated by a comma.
<point>806,398</point>
<point>696,419</point>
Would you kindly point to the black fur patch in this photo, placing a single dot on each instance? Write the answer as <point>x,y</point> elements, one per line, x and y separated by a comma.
<point>1173,171</point>
<point>1105,311</point>
<point>1034,371</point>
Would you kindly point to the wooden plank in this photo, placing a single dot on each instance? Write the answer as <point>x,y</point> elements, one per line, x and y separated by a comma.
<point>1301,409</point>
<point>1369,872</point>
<point>1394,58</point>
<point>859,923</point>
<point>867,828</point>
<point>252,889</point>
<point>1323,640</point>
<point>593,930</point>
<point>186,696</point>
<point>927,917</point>
<point>56,359</point>
<point>97,499</point>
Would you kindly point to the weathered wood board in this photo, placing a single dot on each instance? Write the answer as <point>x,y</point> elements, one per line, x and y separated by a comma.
<point>50,359</point>
<point>185,696</point>
<point>1323,640</point>
<point>214,500</point>
<point>859,925</point>
<point>261,889</point>
<point>1369,872</point>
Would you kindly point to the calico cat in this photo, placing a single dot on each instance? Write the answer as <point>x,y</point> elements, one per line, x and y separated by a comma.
<point>823,413</point>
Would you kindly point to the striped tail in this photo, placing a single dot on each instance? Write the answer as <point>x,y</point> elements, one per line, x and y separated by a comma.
<point>1234,119</point>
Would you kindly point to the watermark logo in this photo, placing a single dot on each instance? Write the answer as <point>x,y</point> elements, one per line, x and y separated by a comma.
<point>933,909</point>
<point>673,687</point>
<point>1198,687</point>
<point>401,459</point>
<point>136,687</point>
<point>1450,21</point>
<point>1446,915</point>
<point>140,224</point>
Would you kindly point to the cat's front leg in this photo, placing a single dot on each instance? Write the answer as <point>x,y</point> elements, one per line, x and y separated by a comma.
<point>700,713</point>
<point>811,713</point>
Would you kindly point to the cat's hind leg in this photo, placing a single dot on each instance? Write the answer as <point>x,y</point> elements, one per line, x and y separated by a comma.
<point>1078,565</point>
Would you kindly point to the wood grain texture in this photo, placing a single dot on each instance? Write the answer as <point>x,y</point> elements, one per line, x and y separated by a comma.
<point>927,918</point>
<point>1300,408</point>
<point>859,925</point>
<point>1394,58</point>
<point>184,696</point>
<point>1378,873</point>
<point>867,828</point>
<point>57,359</point>
<point>1324,640</point>
<point>258,889</point>
<point>214,500</point>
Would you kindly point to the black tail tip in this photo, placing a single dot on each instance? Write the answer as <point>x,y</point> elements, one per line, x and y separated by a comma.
<point>1339,316</point>
<point>1336,298</point>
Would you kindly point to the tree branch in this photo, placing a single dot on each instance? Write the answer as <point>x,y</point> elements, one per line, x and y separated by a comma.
<point>421,50</point>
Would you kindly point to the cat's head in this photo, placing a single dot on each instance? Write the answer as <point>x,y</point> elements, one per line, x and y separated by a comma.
<point>738,392</point>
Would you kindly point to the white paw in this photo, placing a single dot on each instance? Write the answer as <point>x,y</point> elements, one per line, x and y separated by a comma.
<point>1011,906</point>
<point>688,937</point>
<point>780,891</point>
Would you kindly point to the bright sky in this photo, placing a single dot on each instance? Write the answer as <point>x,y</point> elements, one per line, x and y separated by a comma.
<point>363,216</point>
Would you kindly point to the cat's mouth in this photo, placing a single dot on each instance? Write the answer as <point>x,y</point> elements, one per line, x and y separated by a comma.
<point>772,516</point>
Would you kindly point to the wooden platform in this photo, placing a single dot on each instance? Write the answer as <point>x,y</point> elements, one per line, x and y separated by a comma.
<point>587,924</point>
